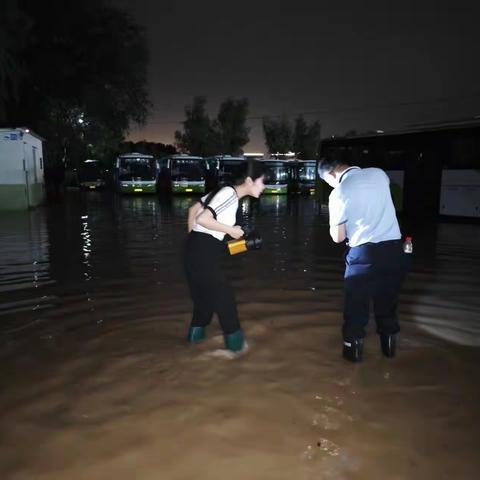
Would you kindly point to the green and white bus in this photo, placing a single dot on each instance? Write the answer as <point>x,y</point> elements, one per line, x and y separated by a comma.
<point>136,173</point>
<point>225,169</point>
<point>185,174</point>
<point>277,176</point>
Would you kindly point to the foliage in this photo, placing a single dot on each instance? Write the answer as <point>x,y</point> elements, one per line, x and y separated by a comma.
<point>158,150</point>
<point>307,139</point>
<point>231,125</point>
<point>198,133</point>
<point>83,78</point>
<point>278,135</point>
<point>304,140</point>
<point>14,29</point>
<point>227,134</point>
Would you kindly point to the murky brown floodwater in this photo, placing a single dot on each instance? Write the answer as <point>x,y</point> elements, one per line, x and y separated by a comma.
<point>98,383</point>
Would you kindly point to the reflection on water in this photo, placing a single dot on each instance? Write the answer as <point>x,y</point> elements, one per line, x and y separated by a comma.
<point>101,248</point>
<point>94,309</point>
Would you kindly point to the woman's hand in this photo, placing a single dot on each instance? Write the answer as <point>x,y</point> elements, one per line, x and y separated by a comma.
<point>236,232</point>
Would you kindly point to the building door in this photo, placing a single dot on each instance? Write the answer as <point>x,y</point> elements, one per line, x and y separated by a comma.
<point>27,176</point>
<point>34,164</point>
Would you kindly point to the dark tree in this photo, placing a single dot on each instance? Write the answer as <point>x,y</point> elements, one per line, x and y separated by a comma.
<point>231,126</point>
<point>14,30</point>
<point>84,77</point>
<point>158,150</point>
<point>278,135</point>
<point>300,135</point>
<point>197,129</point>
<point>306,139</point>
<point>312,142</point>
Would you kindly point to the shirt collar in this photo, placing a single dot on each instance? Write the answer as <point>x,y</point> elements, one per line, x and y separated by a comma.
<point>346,172</point>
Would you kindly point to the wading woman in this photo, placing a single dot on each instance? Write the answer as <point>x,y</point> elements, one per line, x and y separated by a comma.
<point>208,222</point>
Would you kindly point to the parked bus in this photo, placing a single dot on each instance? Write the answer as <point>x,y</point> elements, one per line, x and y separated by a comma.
<point>433,169</point>
<point>303,176</point>
<point>183,174</point>
<point>224,169</point>
<point>136,173</point>
<point>90,175</point>
<point>277,176</point>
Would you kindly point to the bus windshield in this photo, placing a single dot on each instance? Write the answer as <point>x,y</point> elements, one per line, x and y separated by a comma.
<point>276,173</point>
<point>137,167</point>
<point>306,173</point>
<point>231,170</point>
<point>90,172</point>
<point>187,170</point>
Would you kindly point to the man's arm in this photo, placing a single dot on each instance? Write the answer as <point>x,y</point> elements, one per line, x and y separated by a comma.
<point>337,206</point>
<point>338,233</point>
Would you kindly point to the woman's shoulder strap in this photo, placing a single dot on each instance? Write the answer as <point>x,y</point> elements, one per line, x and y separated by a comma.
<point>209,197</point>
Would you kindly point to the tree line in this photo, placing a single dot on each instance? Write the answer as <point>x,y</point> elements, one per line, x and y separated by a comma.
<point>76,74</point>
<point>228,133</point>
<point>73,72</point>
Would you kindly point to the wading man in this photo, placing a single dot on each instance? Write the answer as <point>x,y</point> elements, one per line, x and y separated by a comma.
<point>362,212</point>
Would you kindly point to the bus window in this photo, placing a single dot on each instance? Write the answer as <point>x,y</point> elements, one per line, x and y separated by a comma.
<point>187,175</point>
<point>136,173</point>
<point>230,170</point>
<point>277,177</point>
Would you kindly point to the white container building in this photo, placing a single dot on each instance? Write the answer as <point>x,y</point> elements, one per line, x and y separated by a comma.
<point>22,183</point>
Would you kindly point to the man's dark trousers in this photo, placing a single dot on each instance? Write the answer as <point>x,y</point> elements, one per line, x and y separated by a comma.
<point>374,272</point>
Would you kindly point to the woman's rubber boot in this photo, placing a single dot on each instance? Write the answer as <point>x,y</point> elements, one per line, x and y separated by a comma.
<point>353,350</point>
<point>388,344</point>
<point>235,342</point>
<point>196,334</point>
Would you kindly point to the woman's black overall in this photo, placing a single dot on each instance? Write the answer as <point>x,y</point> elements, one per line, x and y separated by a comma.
<point>211,293</point>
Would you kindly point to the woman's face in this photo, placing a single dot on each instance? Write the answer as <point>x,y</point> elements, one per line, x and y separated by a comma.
<point>257,186</point>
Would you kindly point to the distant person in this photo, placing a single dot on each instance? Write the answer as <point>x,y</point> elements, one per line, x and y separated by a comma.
<point>362,212</point>
<point>209,220</point>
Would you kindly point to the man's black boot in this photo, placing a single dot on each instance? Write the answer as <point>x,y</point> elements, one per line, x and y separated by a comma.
<point>388,344</point>
<point>353,350</point>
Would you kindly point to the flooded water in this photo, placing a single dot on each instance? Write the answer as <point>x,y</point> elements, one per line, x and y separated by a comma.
<point>99,383</point>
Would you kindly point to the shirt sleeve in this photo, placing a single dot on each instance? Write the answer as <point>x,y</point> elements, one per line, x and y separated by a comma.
<point>225,198</point>
<point>337,209</point>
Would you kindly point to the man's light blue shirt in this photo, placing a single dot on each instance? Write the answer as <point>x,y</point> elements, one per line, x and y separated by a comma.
<point>363,202</point>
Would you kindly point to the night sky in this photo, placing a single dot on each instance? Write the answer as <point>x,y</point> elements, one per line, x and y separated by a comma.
<point>357,64</point>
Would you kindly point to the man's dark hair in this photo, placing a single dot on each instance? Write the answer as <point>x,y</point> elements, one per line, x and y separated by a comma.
<point>327,164</point>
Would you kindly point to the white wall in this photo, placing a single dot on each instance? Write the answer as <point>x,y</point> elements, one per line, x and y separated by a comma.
<point>11,157</point>
<point>15,146</point>
<point>33,154</point>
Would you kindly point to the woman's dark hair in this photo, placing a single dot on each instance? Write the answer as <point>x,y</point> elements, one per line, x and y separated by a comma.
<point>253,169</point>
